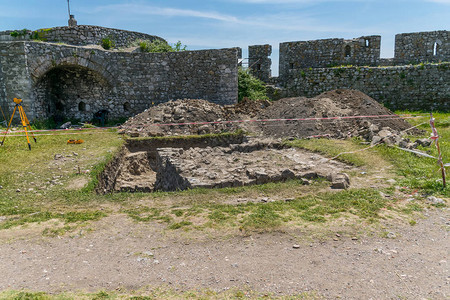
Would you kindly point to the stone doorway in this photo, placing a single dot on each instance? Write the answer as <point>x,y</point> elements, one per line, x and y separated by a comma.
<point>70,92</point>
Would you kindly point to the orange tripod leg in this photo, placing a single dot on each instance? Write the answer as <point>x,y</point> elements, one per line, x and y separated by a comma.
<point>29,126</point>
<point>9,125</point>
<point>24,124</point>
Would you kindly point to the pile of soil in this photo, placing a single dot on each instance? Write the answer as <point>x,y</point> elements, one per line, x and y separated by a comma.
<point>179,111</point>
<point>336,103</point>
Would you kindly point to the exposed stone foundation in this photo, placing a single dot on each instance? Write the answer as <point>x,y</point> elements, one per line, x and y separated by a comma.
<point>229,165</point>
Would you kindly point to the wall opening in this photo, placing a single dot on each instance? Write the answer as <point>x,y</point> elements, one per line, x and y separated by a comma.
<point>126,106</point>
<point>58,92</point>
<point>81,106</point>
<point>348,51</point>
<point>291,66</point>
<point>367,43</point>
<point>435,48</point>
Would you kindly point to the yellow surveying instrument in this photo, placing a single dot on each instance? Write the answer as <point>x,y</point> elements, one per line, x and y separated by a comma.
<point>23,119</point>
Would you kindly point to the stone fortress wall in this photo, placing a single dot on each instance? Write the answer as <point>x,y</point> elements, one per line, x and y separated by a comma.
<point>70,79</point>
<point>419,47</point>
<point>62,80</point>
<point>418,77</point>
<point>80,35</point>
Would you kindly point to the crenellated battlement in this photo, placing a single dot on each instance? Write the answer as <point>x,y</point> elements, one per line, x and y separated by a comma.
<point>419,47</point>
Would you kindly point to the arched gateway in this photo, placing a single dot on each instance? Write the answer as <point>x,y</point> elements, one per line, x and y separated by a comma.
<point>67,74</point>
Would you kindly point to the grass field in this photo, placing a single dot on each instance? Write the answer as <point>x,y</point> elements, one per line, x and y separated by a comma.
<point>158,293</point>
<point>53,185</point>
<point>56,180</point>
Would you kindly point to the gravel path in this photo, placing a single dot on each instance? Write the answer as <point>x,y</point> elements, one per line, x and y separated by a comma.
<point>122,254</point>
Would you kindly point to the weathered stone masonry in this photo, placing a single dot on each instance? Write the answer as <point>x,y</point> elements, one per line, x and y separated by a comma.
<point>364,50</point>
<point>419,47</point>
<point>312,67</point>
<point>81,35</point>
<point>76,82</point>
<point>413,87</point>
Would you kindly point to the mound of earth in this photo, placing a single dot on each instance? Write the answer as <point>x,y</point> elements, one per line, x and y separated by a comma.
<point>148,123</point>
<point>336,103</point>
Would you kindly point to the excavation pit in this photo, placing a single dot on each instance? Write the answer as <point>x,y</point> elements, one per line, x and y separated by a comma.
<point>230,160</point>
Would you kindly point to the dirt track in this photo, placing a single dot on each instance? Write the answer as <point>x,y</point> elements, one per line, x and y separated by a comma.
<point>123,254</point>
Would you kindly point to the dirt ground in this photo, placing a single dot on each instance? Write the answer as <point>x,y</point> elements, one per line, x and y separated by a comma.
<point>339,259</point>
<point>410,262</point>
<point>334,103</point>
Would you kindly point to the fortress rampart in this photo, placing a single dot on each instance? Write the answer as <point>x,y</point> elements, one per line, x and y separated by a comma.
<point>69,81</point>
<point>60,75</point>
<point>79,35</point>
<point>418,77</point>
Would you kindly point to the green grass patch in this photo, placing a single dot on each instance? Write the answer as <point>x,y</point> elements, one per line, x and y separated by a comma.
<point>420,172</point>
<point>35,186</point>
<point>332,148</point>
<point>67,217</point>
<point>237,133</point>
<point>315,208</point>
<point>34,183</point>
<point>158,293</point>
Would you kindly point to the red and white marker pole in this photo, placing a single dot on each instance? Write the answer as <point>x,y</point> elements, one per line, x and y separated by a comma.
<point>435,138</point>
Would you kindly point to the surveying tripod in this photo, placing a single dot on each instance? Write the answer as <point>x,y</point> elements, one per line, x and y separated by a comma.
<point>23,119</point>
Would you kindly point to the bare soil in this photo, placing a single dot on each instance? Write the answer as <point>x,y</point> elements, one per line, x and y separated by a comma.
<point>411,263</point>
<point>336,103</point>
<point>329,104</point>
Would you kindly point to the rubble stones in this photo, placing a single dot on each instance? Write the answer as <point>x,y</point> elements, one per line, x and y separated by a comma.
<point>255,162</point>
<point>330,104</point>
<point>435,200</point>
<point>340,181</point>
<point>423,142</point>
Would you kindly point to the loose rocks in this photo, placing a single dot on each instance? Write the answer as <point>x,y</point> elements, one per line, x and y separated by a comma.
<point>337,103</point>
<point>254,162</point>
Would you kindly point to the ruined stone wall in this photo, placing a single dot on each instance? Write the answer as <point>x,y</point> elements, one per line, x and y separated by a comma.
<point>364,50</point>
<point>81,35</point>
<point>433,46</point>
<point>259,62</point>
<point>59,77</point>
<point>399,87</point>
<point>14,76</point>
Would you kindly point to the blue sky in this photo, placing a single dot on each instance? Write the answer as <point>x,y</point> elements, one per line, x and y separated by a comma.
<point>230,23</point>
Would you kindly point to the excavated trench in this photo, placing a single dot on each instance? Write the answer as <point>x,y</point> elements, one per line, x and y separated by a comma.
<point>179,163</point>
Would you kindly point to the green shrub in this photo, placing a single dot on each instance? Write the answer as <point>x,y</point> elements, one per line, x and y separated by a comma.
<point>159,46</point>
<point>17,33</point>
<point>108,43</point>
<point>250,87</point>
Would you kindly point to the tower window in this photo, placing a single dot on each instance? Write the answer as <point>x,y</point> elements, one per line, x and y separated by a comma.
<point>126,106</point>
<point>81,106</point>
<point>348,51</point>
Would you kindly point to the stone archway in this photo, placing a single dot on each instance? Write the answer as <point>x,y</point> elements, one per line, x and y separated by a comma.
<point>70,92</point>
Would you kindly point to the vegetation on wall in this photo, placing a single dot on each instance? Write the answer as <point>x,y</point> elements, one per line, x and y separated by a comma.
<point>158,46</point>
<point>108,43</point>
<point>17,33</point>
<point>250,87</point>
<point>41,34</point>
